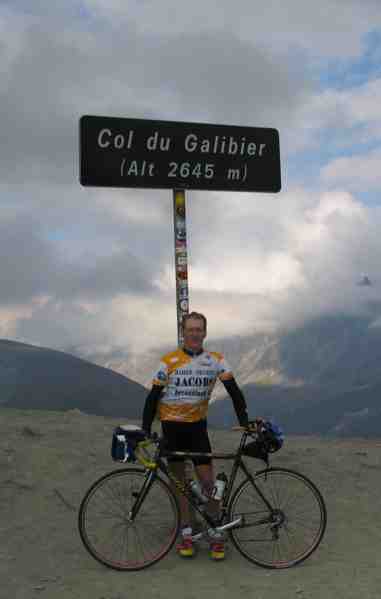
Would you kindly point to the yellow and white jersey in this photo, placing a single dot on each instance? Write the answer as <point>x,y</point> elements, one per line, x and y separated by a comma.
<point>189,381</point>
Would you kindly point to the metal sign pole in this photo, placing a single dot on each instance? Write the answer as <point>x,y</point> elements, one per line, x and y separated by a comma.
<point>181,260</point>
<point>182,297</point>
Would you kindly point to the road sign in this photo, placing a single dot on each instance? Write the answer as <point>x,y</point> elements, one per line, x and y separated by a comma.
<point>122,152</point>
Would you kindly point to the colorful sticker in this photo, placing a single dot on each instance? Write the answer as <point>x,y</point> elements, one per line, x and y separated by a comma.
<point>181,253</point>
<point>180,209</point>
<point>184,305</point>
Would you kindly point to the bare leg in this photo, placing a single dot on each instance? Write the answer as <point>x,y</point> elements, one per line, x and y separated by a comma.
<point>178,469</point>
<point>205,473</point>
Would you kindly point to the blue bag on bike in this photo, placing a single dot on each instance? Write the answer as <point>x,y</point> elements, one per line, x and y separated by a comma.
<point>273,435</point>
<point>124,441</point>
<point>270,439</point>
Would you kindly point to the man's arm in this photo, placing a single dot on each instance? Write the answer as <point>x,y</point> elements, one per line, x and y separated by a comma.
<point>150,407</point>
<point>239,402</point>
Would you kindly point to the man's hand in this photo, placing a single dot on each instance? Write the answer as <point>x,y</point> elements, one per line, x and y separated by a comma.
<point>255,424</point>
<point>151,435</point>
<point>251,426</point>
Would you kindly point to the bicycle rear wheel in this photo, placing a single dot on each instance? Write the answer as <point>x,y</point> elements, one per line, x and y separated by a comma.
<point>293,528</point>
<point>107,530</point>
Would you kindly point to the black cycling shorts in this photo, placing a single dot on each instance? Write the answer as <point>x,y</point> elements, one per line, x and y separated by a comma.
<point>187,436</point>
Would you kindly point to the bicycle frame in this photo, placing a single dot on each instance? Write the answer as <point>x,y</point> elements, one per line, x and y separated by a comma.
<point>160,465</point>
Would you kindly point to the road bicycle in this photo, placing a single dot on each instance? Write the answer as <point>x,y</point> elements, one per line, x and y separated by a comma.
<point>129,519</point>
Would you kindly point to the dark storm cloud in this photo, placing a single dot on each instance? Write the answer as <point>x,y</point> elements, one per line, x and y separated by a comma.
<point>32,267</point>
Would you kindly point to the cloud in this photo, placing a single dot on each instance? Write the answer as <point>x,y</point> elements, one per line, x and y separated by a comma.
<point>66,67</point>
<point>24,274</point>
<point>330,28</point>
<point>89,267</point>
<point>253,265</point>
<point>43,271</point>
<point>357,173</point>
<point>337,120</point>
<point>272,262</point>
<point>52,75</point>
<point>131,323</point>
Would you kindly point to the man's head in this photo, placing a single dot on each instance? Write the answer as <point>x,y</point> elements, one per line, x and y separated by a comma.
<point>194,329</point>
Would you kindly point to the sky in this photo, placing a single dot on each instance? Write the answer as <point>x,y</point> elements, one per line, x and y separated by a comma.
<point>93,268</point>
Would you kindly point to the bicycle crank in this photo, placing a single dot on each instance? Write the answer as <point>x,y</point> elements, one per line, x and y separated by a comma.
<point>217,529</point>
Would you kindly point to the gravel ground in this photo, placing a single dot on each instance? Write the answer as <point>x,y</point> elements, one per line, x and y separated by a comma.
<point>49,459</point>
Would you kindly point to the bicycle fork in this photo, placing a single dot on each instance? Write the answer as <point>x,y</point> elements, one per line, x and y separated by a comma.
<point>141,495</point>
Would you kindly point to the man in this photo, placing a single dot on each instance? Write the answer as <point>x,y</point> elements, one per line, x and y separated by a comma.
<point>181,390</point>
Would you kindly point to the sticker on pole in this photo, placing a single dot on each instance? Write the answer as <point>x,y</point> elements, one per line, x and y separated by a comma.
<point>122,152</point>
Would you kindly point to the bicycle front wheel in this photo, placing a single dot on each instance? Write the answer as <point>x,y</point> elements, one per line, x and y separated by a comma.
<point>290,531</point>
<point>107,530</point>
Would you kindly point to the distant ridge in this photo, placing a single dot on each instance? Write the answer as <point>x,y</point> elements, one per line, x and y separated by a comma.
<point>35,377</point>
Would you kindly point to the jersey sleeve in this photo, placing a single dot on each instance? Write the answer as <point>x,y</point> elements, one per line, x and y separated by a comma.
<point>160,376</point>
<point>224,370</point>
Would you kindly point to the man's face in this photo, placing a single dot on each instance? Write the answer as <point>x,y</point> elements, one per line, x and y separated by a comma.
<point>194,334</point>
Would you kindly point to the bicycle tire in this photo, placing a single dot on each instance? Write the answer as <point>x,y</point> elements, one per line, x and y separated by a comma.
<point>251,539</point>
<point>103,516</point>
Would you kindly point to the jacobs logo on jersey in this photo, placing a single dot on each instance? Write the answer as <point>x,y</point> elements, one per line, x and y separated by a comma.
<point>192,381</point>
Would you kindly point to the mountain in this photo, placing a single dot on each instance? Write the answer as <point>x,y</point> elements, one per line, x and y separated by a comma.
<point>340,352</point>
<point>40,378</point>
<point>323,377</point>
<point>309,410</point>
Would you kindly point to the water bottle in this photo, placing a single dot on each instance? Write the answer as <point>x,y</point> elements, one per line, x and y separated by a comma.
<point>219,486</point>
<point>197,491</point>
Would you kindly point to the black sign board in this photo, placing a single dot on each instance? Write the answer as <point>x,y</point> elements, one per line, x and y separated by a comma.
<point>122,152</point>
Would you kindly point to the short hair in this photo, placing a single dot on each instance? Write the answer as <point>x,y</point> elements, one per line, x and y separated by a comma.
<point>195,316</point>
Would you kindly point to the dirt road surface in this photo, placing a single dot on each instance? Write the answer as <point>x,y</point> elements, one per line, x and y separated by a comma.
<point>49,459</point>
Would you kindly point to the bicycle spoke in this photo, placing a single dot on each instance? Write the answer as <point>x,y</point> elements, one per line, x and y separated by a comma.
<point>139,542</point>
<point>287,501</point>
<point>115,496</point>
<point>297,520</point>
<point>108,533</point>
<point>275,496</point>
<point>111,536</point>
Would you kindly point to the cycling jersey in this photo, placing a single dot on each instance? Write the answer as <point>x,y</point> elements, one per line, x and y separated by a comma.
<point>188,381</point>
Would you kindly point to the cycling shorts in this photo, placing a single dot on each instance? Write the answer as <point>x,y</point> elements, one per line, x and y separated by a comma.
<point>187,436</point>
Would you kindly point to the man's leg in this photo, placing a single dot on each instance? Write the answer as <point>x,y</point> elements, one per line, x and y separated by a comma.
<point>206,475</point>
<point>205,472</point>
<point>178,469</point>
<point>185,547</point>
<point>174,434</point>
